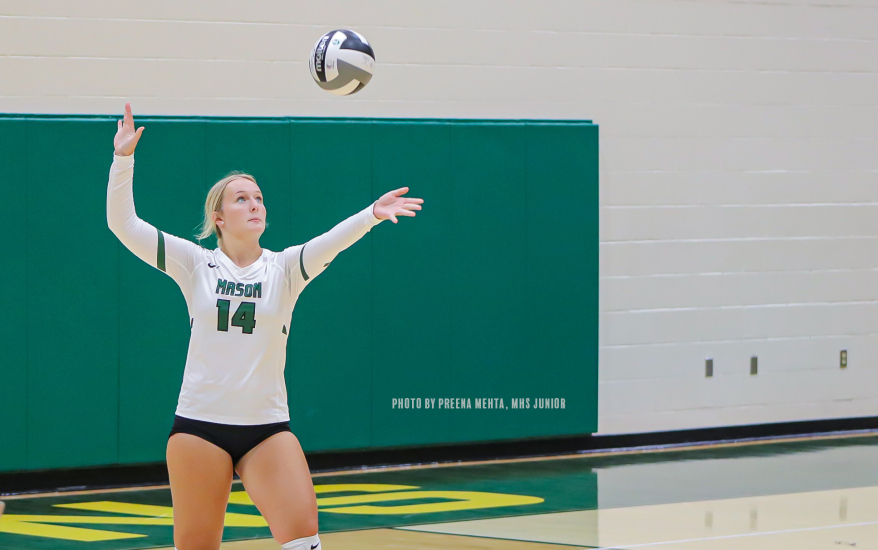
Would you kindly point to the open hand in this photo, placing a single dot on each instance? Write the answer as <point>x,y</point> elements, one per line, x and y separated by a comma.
<point>126,137</point>
<point>393,204</point>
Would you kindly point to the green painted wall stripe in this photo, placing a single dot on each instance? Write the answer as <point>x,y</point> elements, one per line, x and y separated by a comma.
<point>160,260</point>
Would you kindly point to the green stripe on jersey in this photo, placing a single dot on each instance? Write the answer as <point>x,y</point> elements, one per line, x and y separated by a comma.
<point>160,259</point>
<point>302,263</point>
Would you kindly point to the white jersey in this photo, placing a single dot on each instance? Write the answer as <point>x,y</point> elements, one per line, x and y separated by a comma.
<point>240,316</point>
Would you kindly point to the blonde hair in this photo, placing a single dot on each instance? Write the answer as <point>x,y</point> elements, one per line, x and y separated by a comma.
<point>214,203</point>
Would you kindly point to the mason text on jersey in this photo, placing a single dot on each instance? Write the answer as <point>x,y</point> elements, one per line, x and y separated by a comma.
<point>231,288</point>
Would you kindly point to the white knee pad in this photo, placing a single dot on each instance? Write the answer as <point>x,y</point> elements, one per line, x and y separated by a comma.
<point>305,543</point>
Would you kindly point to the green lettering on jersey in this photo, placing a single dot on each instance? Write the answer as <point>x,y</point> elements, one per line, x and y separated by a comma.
<point>248,291</point>
<point>220,285</point>
<point>245,317</point>
<point>240,289</point>
<point>257,290</point>
<point>222,321</point>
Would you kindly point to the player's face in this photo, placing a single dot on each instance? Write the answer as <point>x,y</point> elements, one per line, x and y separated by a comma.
<point>242,214</point>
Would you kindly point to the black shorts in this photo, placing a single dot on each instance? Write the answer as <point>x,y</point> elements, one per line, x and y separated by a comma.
<point>235,440</point>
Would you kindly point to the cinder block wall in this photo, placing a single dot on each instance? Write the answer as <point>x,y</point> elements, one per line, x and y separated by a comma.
<point>738,157</point>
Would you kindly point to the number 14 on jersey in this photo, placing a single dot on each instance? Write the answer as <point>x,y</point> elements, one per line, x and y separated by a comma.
<point>244,317</point>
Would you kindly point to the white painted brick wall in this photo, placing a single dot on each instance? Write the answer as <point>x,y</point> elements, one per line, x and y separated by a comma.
<point>739,156</point>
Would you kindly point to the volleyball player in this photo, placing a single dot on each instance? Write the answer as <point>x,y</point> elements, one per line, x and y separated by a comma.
<point>232,412</point>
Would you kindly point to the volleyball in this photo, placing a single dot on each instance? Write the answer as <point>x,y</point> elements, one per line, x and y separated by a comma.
<point>341,62</point>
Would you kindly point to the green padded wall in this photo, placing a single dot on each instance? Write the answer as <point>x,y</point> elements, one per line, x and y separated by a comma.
<point>491,291</point>
<point>419,363</point>
<point>73,298</point>
<point>329,379</point>
<point>13,303</point>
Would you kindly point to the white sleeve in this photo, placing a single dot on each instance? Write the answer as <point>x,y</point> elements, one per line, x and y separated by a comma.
<point>308,260</point>
<point>175,256</point>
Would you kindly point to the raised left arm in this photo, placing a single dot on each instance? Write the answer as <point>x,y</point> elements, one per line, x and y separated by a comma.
<point>320,251</point>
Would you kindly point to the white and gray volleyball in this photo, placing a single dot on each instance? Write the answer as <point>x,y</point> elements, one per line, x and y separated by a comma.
<point>341,62</point>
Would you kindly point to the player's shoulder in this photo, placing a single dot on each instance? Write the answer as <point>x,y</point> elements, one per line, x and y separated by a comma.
<point>183,245</point>
<point>203,258</point>
<point>288,253</point>
<point>270,254</point>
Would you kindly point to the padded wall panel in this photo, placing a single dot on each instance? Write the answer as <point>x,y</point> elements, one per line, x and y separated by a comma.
<point>13,298</point>
<point>413,315</point>
<point>562,251</point>
<point>491,323</point>
<point>73,303</point>
<point>329,363</point>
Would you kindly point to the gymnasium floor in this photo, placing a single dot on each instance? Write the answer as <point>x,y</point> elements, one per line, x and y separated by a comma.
<point>815,493</point>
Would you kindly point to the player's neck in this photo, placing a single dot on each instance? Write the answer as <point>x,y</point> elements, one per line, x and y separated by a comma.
<point>242,253</point>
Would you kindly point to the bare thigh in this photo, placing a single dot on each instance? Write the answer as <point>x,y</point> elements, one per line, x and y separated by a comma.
<point>201,480</point>
<point>276,476</point>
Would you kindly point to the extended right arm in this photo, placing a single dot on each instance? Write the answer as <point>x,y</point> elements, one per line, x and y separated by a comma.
<point>173,255</point>
<point>138,236</point>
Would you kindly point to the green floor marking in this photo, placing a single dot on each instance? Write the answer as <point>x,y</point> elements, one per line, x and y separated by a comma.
<point>144,518</point>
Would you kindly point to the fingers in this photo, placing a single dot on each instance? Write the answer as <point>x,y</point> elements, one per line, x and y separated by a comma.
<point>136,137</point>
<point>402,191</point>
<point>118,125</point>
<point>129,118</point>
